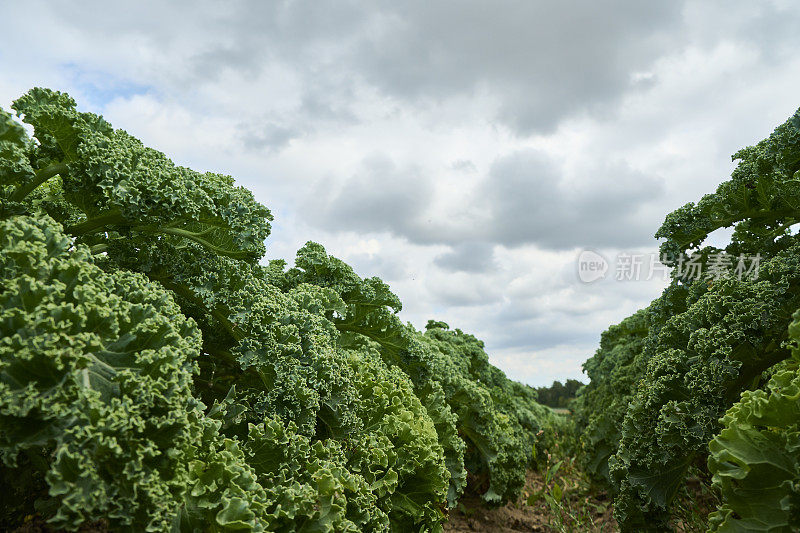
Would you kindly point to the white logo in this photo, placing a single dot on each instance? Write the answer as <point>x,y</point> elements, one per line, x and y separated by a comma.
<point>591,266</point>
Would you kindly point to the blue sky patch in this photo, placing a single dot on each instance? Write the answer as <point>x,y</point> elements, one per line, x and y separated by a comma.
<point>101,88</point>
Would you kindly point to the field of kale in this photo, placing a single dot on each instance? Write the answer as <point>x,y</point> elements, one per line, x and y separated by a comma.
<point>157,375</point>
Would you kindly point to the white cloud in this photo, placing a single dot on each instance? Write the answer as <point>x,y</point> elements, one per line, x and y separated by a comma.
<point>462,155</point>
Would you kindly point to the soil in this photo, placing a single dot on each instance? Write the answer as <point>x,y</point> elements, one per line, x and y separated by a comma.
<point>471,516</point>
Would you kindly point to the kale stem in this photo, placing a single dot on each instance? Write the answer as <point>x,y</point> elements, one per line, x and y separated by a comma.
<point>109,217</point>
<point>187,293</point>
<point>40,177</point>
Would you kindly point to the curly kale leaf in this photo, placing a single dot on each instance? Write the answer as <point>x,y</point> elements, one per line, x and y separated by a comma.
<point>280,349</point>
<point>613,372</point>
<point>412,470</point>
<point>15,166</point>
<point>133,191</point>
<point>500,436</point>
<point>371,306</point>
<point>762,199</point>
<point>756,457</point>
<point>276,347</point>
<point>486,415</point>
<point>370,311</point>
<point>222,492</point>
<point>391,472</point>
<point>310,483</point>
<point>95,379</point>
<point>96,371</point>
<point>703,358</point>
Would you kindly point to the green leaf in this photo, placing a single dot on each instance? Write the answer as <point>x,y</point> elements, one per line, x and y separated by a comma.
<point>755,459</point>
<point>54,118</point>
<point>557,493</point>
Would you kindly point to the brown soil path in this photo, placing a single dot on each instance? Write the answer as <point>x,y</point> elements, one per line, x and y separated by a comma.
<point>515,517</point>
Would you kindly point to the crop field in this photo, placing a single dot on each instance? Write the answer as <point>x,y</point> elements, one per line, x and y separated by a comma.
<point>157,374</point>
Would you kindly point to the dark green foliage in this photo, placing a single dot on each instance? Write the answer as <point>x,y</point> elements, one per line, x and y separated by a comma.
<point>134,192</point>
<point>497,418</point>
<point>761,200</point>
<point>756,457</point>
<point>613,371</point>
<point>558,394</point>
<point>155,376</point>
<point>95,385</point>
<point>703,359</point>
<point>672,371</point>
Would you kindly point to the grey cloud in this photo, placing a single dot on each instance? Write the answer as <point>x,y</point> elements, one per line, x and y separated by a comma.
<point>465,292</point>
<point>525,325</point>
<point>543,61</point>
<point>768,27</point>
<point>268,135</point>
<point>530,201</point>
<point>216,62</point>
<point>379,197</point>
<point>525,199</point>
<point>542,335</point>
<point>322,105</point>
<point>464,165</point>
<point>315,107</point>
<point>475,257</point>
<point>383,265</point>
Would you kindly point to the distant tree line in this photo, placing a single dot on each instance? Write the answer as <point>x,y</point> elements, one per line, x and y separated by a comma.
<point>559,394</point>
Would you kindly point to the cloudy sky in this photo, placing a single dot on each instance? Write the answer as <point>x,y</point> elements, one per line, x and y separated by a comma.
<point>465,152</point>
